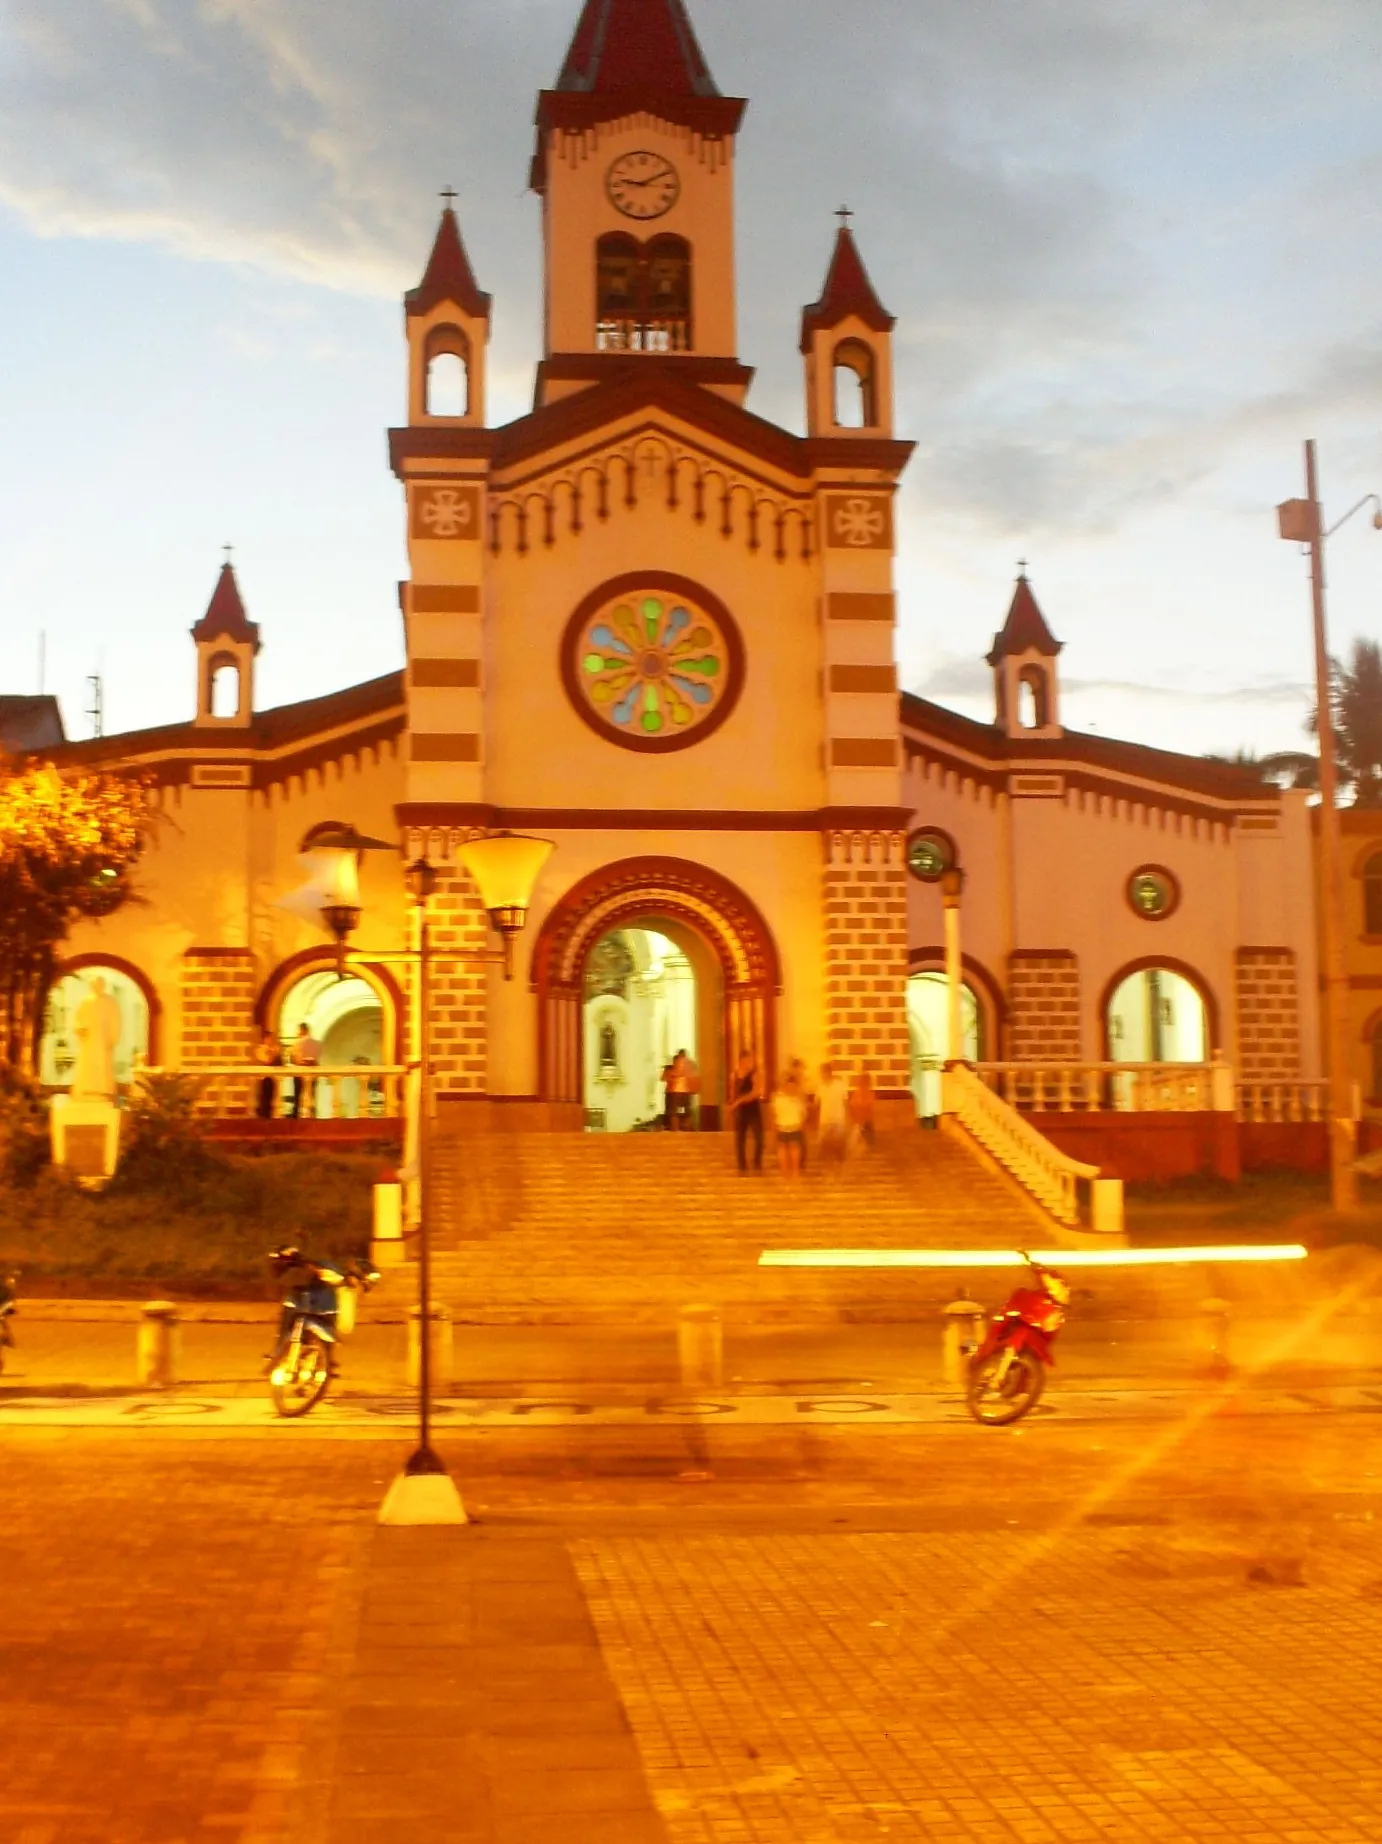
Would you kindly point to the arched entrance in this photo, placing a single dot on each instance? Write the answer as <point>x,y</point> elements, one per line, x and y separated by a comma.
<point>1157,1014</point>
<point>708,922</point>
<point>648,990</point>
<point>928,1032</point>
<point>354,1020</point>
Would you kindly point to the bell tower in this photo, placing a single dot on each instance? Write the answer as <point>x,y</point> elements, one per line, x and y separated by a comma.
<point>634,165</point>
<point>227,642</point>
<point>846,340</point>
<point>1026,684</point>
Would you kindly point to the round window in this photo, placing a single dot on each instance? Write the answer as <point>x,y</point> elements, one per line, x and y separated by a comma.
<point>930,854</point>
<point>1153,892</point>
<point>653,662</point>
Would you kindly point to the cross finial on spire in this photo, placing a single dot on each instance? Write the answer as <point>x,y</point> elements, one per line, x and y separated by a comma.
<point>1022,566</point>
<point>844,214</point>
<point>229,550</point>
<point>448,196</point>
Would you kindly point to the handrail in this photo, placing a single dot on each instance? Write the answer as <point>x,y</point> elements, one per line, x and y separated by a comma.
<point>216,1077</point>
<point>1040,1167</point>
<point>1091,1088</point>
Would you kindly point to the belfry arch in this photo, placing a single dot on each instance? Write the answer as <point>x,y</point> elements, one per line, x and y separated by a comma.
<point>697,907</point>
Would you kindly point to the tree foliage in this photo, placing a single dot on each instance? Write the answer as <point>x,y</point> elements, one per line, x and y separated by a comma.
<point>1357,702</point>
<point>68,844</point>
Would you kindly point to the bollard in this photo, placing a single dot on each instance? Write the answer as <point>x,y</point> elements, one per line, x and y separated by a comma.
<point>387,1249</point>
<point>963,1328</point>
<point>443,1349</point>
<point>1106,1206</point>
<point>701,1347</point>
<point>158,1344</point>
<point>1219,1362</point>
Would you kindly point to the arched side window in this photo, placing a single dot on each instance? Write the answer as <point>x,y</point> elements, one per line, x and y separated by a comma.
<point>447,358</point>
<point>1033,699</point>
<point>1372,896</point>
<point>642,294</point>
<point>60,1044</point>
<point>855,385</point>
<point>1156,1015</point>
<point>223,687</point>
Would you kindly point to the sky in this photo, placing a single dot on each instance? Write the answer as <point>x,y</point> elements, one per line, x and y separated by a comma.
<point>1134,248</point>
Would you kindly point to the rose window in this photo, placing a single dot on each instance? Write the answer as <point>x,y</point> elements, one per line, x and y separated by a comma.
<point>653,668</point>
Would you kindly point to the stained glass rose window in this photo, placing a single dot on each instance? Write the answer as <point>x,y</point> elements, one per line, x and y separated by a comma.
<point>653,662</point>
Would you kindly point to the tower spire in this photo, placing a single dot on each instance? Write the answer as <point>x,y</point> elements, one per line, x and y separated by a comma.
<point>622,45</point>
<point>847,291</point>
<point>448,275</point>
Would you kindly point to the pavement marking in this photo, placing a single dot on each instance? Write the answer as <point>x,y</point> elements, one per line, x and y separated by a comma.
<point>366,1416</point>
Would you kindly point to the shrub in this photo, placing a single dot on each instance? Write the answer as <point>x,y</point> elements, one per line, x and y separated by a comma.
<point>24,1148</point>
<point>162,1147</point>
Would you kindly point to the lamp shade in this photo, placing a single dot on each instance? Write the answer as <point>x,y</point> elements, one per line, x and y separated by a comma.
<point>506,867</point>
<point>333,882</point>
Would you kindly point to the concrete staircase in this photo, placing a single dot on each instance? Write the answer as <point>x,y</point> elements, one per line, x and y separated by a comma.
<point>571,1228</point>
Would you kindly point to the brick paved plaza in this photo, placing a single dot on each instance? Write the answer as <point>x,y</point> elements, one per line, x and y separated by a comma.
<point>1156,1629</point>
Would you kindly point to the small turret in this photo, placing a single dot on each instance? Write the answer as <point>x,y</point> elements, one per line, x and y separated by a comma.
<point>447,317</point>
<point>1023,658</point>
<point>846,340</point>
<point>227,642</point>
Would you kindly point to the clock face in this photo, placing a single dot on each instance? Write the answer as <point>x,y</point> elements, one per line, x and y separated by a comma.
<point>643,184</point>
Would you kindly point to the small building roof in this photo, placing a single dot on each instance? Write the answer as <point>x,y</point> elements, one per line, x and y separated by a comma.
<point>1025,630</point>
<point>646,45</point>
<point>225,617</point>
<point>448,276</point>
<point>30,722</point>
<point>848,291</point>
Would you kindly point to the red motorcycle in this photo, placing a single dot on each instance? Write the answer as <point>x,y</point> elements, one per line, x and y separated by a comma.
<point>1008,1372</point>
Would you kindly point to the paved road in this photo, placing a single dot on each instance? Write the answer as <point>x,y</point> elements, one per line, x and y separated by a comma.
<point>1152,1627</point>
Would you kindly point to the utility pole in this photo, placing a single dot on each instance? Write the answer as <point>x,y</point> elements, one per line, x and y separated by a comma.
<point>1343,1129</point>
<point>96,710</point>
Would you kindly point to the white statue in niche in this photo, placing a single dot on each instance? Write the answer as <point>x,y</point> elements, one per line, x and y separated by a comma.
<point>96,1027</point>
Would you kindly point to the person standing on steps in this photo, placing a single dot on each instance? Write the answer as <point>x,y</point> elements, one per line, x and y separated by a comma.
<point>746,1105</point>
<point>682,1080</point>
<point>789,1120</point>
<point>797,1071</point>
<point>833,1116</point>
<point>862,1108</point>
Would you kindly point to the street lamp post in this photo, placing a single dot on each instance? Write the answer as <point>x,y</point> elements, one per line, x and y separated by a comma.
<point>505,867</point>
<point>1301,521</point>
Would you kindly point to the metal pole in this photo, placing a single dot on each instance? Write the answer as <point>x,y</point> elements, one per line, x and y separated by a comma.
<point>424,1460</point>
<point>1343,1180</point>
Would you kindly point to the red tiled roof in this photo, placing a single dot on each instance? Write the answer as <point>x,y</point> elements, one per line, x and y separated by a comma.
<point>1025,630</point>
<point>225,617</point>
<point>635,45</point>
<point>448,276</point>
<point>269,730</point>
<point>847,291</point>
<point>1106,755</point>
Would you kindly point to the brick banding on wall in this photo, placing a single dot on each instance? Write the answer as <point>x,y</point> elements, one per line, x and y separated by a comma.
<point>218,993</point>
<point>458,933</point>
<point>1268,1015</point>
<point>866,961</point>
<point>1044,1007</point>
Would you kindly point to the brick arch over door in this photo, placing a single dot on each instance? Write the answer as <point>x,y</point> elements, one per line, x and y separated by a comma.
<point>639,890</point>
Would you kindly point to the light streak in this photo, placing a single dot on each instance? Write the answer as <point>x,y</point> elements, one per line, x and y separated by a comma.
<point>1017,1258</point>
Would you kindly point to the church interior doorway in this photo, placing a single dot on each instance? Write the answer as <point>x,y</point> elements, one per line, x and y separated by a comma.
<point>642,1002</point>
<point>346,1017</point>
<point>57,1057</point>
<point>928,1032</point>
<point>1157,1016</point>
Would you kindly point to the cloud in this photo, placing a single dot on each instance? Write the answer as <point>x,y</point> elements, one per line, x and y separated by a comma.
<point>1099,259</point>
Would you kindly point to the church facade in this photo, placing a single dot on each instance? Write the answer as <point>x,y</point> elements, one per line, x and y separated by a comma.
<point>659,630</point>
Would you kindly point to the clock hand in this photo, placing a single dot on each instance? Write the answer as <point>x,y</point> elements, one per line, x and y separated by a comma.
<point>666,174</point>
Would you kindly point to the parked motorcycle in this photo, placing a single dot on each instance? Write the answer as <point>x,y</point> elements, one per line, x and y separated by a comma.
<point>1008,1371</point>
<point>8,1308</point>
<point>318,1311</point>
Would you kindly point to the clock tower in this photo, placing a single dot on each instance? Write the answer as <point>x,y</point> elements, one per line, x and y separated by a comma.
<point>634,164</point>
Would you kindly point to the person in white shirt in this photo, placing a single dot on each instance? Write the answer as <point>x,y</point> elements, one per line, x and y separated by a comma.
<point>832,1102</point>
<point>305,1053</point>
<point>789,1120</point>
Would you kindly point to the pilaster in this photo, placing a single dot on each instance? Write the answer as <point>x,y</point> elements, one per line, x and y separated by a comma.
<point>865,898</point>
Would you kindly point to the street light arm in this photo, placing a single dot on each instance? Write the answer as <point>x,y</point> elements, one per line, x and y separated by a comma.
<point>1368,499</point>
